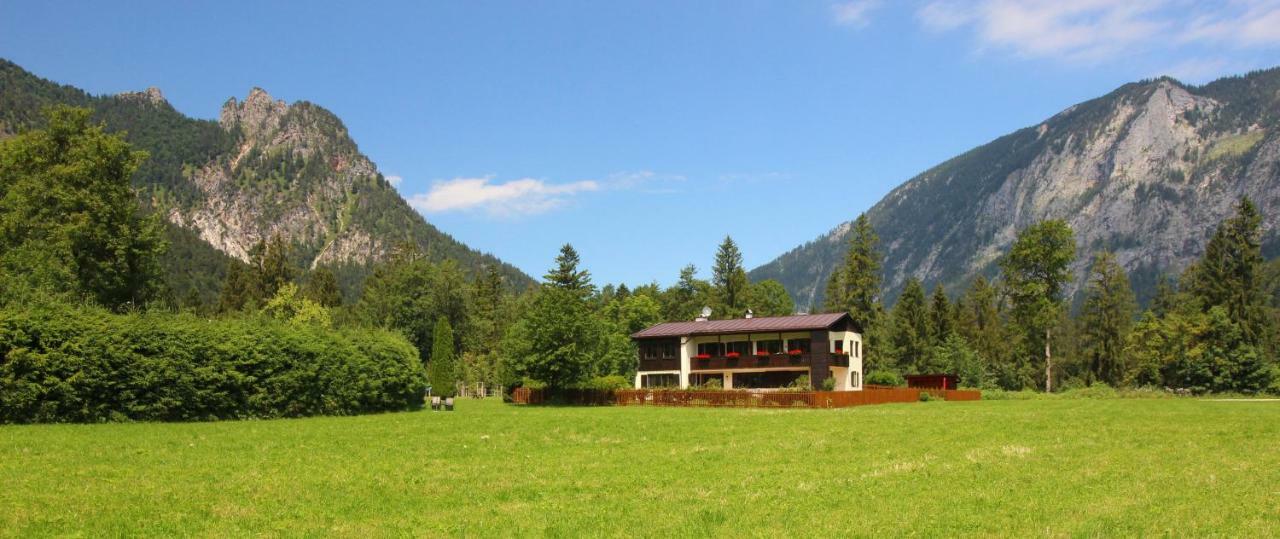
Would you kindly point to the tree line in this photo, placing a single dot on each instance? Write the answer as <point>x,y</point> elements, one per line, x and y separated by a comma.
<point>1212,329</point>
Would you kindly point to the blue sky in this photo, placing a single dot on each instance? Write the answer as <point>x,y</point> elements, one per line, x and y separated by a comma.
<point>644,132</point>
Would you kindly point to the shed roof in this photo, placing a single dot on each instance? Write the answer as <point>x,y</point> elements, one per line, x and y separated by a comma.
<point>799,322</point>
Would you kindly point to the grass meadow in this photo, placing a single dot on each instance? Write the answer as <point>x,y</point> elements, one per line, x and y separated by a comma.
<point>1170,467</point>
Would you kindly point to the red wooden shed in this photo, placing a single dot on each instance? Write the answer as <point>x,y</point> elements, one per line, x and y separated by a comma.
<point>933,381</point>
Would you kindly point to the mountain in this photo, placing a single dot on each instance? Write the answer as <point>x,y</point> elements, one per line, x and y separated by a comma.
<point>1146,171</point>
<point>263,168</point>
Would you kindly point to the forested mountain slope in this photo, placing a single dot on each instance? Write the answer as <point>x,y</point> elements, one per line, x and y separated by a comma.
<point>1146,171</point>
<point>264,168</point>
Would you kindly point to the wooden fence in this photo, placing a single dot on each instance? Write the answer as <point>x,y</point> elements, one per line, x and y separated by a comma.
<point>740,399</point>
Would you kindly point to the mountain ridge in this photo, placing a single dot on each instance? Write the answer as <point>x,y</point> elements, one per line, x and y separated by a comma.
<point>264,167</point>
<point>1146,170</point>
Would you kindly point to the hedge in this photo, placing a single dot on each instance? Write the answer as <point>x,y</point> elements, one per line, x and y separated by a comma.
<point>81,364</point>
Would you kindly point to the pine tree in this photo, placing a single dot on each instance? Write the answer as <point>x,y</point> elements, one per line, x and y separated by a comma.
<point>322,288</point>
<point>272,266</point>
<point>1230,272</point>
<point>1035,271</point>
<point>854,287</point>
<point>1165,299</point>
<point>730,279</point>
<point>941,323</point>
<point>566,274</point>
<point>1106,319</point>
<point>238,288</point>
<point>910,337</point>
<point>442,370</point>
<point>687,297</point>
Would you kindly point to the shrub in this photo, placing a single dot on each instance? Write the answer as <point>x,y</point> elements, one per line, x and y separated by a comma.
<point>604,383</point>
<point>925,396</point>
<point>829,384</point>
<point>81,364</point>
<point>713,384</point>
<point>801,383</point>
<point>885,378</point>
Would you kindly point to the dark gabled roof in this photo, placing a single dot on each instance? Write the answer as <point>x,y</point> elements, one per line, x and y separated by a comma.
<point>799,322</point>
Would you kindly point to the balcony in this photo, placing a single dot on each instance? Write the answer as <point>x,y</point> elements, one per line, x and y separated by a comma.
<point>770,361</point>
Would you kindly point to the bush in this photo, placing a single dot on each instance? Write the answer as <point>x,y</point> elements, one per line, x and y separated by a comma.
<point>603,383</point>
<point>829,384</point>
<point>80,364</point>
<point>801,383</point>
<point>886,378</point>
<point>925,396</point>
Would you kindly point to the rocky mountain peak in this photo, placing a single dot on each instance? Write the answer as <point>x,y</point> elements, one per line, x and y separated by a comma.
<point>259,113</point>
<point>150,95</point>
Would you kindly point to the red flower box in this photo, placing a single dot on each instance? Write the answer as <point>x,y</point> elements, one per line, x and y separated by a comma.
<point>839,353</point>
<point>733,355</point>
<point>762,353</point>
<point>795,352</point>
<point>704,356</point>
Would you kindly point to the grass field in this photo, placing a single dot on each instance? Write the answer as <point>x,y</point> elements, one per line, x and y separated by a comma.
<point>1010,468</point>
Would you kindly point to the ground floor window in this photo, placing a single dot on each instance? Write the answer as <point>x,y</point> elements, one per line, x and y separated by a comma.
<point>659,380</point>
<point>702,379</point>
<point>765,380</point>
<point>853,379</point>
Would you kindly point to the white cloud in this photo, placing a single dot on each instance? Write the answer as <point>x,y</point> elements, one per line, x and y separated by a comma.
<point>856,13</point>
<point>526,196</point>
<point>1090,31</point>
<point>1253,23</point>
<point>394,180</point>
<point>645,181</point>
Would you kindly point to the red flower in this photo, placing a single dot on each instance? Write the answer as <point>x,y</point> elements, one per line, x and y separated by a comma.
<point>762,353</point>
<point>795,352</point>
<point>734,355</point>
<point>704,356</point>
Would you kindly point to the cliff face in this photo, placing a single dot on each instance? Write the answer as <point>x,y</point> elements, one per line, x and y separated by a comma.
<point>1147,172</point>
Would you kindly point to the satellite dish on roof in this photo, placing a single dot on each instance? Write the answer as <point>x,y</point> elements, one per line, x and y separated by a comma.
<point>706,312</point>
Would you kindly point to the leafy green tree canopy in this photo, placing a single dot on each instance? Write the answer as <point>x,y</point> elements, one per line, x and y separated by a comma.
<point>70,221</point>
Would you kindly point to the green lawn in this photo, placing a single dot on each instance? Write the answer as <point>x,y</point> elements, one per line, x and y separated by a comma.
<point>1013,468</point>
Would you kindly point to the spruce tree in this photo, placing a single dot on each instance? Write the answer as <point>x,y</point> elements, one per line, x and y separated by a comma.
<point>910,337</point>
<point>272,266</point>
<point>854,286</point>
<point>238,288</point>
<point>1230,272</point>
<point>941,323</point>
<point>730,279</point>
<point>322,288</point>
<point>1106,319</point>
<point>566,274</point>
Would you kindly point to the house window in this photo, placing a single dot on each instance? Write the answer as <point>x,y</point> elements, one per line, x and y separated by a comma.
<point>659,380</point>
<point>837,346</point>
<point>853,379</point>
<point>771,346</point>
<point>798,344</point>
<point>664,350</point>
<point>857,348</point>
<point>710,349</point>
<point>742,348</point>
